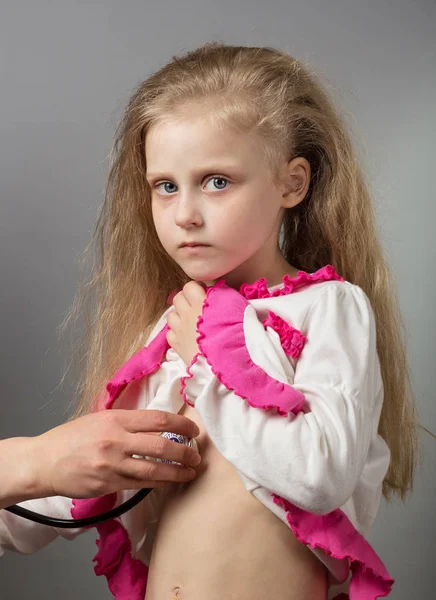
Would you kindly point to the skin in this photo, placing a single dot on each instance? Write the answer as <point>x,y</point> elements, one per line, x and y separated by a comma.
<point>212,186</point>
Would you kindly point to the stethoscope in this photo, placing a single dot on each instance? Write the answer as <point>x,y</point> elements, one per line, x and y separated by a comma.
<point>106,516</point>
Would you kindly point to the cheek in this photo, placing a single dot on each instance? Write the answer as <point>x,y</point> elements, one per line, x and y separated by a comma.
<point>159,224</point>
<point>246,224</point>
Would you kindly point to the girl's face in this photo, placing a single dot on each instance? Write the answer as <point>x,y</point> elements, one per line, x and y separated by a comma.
<point>213,188</point>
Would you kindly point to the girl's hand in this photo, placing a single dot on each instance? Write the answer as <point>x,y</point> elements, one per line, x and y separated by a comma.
<point>182,321</point>
<point>93,454</point>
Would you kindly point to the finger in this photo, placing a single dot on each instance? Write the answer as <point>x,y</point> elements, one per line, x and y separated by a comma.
<point>151,471</point>
<point>194,292</point>
<point>171,339</point>
<point>128,483</point>
<point>173,320</point>
<point>138,420</point>
<point>181,302</point>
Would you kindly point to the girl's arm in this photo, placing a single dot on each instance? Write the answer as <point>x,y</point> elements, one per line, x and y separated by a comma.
<point>314,456</point>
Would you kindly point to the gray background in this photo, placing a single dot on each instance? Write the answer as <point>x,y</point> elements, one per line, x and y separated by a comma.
<point>67,70</point>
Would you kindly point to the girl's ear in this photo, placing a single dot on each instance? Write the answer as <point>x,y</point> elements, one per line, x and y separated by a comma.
<point>296,182</point>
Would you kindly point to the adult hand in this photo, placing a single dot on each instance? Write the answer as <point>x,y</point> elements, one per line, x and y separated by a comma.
<point>93,454</point>
<point>182,321</point>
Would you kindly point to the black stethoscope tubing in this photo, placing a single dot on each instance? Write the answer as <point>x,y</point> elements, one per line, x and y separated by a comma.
<point>85,522</point>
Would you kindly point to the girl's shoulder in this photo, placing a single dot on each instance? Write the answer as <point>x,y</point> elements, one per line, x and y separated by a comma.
<point>343,293</point>
<point>300,293</point>
<point>336,300</point>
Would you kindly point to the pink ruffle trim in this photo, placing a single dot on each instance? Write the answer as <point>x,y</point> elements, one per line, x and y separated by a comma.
<point>259,289</point>
<point>145,362</point>
<point>291,339</point>
<point>369,580</point>
<point>126,576</point>
<point>188,376</point>
<point>221,341</point>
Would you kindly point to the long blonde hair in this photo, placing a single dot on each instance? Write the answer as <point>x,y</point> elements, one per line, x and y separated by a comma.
<point>267,94</point>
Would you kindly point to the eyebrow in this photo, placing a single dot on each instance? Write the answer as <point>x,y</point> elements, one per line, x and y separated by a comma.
<point>214,168</point>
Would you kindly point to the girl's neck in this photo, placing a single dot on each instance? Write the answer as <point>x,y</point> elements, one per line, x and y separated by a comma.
<point>272,279</point>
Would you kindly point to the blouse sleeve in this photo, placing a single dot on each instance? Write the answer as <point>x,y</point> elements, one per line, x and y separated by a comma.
<point>312,455</point>
<point>26,537</point>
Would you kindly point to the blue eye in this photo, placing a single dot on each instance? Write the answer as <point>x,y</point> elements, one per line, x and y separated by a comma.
<point>165,183</point>
<point>218,178</point>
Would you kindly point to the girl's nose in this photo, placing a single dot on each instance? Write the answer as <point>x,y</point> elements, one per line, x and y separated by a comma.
<point>187,213</point>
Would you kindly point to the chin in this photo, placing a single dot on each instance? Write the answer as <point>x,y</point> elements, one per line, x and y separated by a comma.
<point>206,279</point>
<point>198,274</point>
<point>202,276</point>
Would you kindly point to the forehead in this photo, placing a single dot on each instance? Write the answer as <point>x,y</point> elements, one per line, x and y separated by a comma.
<point>176,141</point>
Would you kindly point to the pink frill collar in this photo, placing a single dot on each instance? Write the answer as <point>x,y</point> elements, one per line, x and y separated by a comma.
<point>259,289</point>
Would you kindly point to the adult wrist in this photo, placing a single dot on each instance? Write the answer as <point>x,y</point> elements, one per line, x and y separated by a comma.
<point>20,463</point>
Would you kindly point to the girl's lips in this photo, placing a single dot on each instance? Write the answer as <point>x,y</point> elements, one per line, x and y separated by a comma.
<point>194,248</point>
<point>192,244</point>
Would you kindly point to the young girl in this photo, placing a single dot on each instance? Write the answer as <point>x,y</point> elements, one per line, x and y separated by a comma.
<point>241,275</point>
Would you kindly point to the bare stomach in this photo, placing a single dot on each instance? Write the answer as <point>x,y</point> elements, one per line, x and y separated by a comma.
<point>215,540</point>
